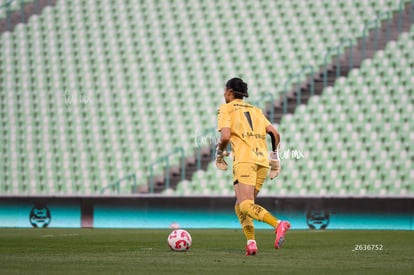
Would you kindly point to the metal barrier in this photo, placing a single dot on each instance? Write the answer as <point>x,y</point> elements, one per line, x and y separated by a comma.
<point>117,183</point>
<point>367,25</point>
<point>166,160</point>
<point>386,14</point>
<point>338,63</point>
<point>400,10</point>
<point>265,98</point>
<point>269,98</point>
<point>7,7</point>
<point>210,137</point>
<point>307,69</point>
<point>210,133</point>
<point>412,12</point>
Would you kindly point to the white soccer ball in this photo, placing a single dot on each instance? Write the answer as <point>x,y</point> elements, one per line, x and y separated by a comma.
<point>179,240</point>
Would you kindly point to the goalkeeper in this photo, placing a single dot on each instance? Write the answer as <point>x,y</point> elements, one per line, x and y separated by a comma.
<point>245,127</point>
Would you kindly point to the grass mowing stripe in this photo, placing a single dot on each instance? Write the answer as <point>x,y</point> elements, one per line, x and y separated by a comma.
<point>128,251</point>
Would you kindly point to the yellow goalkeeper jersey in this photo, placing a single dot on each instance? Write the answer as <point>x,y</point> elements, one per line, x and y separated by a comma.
<point>248,131</point>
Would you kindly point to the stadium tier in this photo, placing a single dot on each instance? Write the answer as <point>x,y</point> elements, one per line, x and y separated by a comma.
<point>93,92</point>
<point>357,139</point>
<point>9,6</point>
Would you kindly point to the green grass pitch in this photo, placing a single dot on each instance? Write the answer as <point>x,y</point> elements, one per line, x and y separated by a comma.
<point>214,251</point>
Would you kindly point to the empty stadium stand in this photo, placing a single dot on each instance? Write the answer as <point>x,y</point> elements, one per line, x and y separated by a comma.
<point>93,93</point>
<point>356,139</point>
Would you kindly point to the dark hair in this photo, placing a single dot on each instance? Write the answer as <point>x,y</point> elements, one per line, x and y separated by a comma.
<point>238,86</point>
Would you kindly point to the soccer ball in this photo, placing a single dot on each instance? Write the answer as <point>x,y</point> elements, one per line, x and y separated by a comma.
<point>179,240</point>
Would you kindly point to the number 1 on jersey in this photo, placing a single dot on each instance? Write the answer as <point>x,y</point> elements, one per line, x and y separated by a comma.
<point>249,119</point>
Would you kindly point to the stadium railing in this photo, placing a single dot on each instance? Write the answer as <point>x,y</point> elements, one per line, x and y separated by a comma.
<point>347,42</point>
<point>7,7</point>
<point>117,184</point>
<point>266,98</point>
<point>166,161</point>
<point>376,24</point>
<point>400,11</point>
<point>162,159</point>
<point>208,137</point>
<point>306,70</point>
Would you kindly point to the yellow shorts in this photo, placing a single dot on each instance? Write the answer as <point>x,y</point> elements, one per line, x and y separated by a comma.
<point>250,174</point>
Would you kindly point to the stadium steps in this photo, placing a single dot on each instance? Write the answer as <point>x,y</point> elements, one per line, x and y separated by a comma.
<point>122,46</point>
<point>174,175</point>
<point>23,13</point>
<point>370,50</point>
<point>357,58</point>
<point>356,137</point>
<point>190,169</point>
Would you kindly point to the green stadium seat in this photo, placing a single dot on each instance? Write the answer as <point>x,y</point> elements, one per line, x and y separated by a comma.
<point>368,153</point>
<point>123,50</point>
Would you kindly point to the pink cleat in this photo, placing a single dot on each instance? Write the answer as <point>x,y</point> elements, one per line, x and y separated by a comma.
<point>280,231</point>
<point>251,249</point>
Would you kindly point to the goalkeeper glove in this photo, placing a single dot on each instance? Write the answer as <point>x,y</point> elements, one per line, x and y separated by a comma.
<point>274,165</point>
<point>220,162</point>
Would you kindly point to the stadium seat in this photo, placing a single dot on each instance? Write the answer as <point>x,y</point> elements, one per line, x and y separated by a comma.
<point>361,147</point>
<point>84,59</point>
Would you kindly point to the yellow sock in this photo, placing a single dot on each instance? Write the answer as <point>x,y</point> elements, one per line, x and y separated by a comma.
<point>270,219</point>
<point>246,223</point>
<point>257,212</point>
